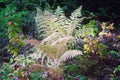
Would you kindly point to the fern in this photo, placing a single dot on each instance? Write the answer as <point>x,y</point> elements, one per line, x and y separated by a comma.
<point>51,38</point>
<point>63,40</point>
<point>58,52</point>
<point>76,14</point>
<point>49,22</point>
<point>70,54</point>
<point>56,31</point>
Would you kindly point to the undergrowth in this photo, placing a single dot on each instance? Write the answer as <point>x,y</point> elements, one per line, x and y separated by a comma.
<point>64,48</point>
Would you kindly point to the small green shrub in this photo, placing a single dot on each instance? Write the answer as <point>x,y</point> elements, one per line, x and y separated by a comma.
<point>89,29</point>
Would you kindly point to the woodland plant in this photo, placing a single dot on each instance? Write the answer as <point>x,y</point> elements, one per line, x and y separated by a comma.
<point>56,32</point>
<point>99,48</point>
<point>16,14</point>
<point>89,29</point>
<point>14,36</point>
<point>59,42</point>
<point>17,72</point>
<point>58,21</point>
<point>94,41</point>
<point>11,21</point>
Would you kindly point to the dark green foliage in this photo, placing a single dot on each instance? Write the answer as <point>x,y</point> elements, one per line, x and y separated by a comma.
<point>36,76</point>
<point>22,12</point>
<point>10,73</point>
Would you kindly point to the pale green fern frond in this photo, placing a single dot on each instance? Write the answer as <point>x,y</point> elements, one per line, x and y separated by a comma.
<point>75,19</point>
<point>76,14</point>
<point>47,22</point>
<point>56,30</point>
<point>59,11</point>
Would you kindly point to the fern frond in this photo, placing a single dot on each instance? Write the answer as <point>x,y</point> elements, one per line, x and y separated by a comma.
<point>52,37</point>
<point>70,54</point>
<point>59,11</point>
<point>63,40</point>
<point>76,14</point>
<point>47,23</point>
